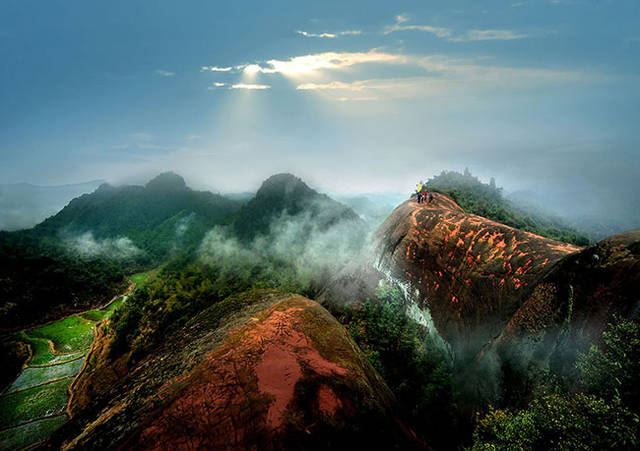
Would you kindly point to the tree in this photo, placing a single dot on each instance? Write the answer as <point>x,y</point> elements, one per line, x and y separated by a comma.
<point>612,371</point>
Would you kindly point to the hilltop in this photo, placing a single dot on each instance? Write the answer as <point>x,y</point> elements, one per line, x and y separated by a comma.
<point>287,195</point>
<point>510,303</point>
<point>263,369</point>
<point>154,217</point>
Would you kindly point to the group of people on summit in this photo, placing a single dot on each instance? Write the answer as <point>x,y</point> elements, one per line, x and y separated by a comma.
<point>425,196</point>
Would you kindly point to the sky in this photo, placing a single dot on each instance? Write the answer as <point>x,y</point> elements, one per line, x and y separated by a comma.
<point>358,96</point>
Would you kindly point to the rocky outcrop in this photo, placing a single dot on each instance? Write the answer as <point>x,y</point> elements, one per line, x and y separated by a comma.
<point>471,273</point>
<point>569,309</point>
<point>280,372</point>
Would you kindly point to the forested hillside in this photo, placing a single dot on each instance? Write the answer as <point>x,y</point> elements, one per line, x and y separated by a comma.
<point>487,200</point>
<point>40,279</point>
<point>154,219</point>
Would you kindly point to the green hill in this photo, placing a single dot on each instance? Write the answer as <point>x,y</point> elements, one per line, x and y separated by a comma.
<point>79,257</point>
<point>155,218</point>
<point>285,194</point>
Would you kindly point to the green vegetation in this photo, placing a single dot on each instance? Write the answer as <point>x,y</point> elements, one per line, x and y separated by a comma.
<point>40,348</point>
<point>159,218</point>
<point>31,377</point>
<point>41,390</point>
<point>612,371</point>
<point>68,335</point>
<point>141,277</point>
<point>286,194</point>
<point>37,402</point>
<point>50,270</point>
<point>99,315</point>
<point>487,200</point>
<point>186,287</point>
<point>417,370</point>
<point>21,436</point>
<point>606,417</point>
<point>39,278</point>
<point>559,422</point>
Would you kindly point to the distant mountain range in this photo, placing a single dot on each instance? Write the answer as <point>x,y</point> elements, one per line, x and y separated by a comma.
<point>138,227</point>
<point>23,205</point>
<point>154,218</point>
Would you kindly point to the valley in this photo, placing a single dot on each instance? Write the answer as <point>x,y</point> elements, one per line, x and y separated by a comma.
<point>34,405</point>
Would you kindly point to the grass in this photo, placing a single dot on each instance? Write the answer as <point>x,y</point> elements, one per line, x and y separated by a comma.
<point>27,434</point>
<point>95,315</point>
<point>99,315</point>
<point>40,347</point>
<point>141,277</point>
<point>16,408</point>
<point>115,304</point>
<point>68,335</point>
<point>27,399</point>
<point>35,376</point>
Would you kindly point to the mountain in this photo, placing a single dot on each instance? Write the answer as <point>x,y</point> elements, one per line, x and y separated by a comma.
<point>79,257</point>
<point>286,196</point>
<point>448,322</point>
<point>260,370</point>
<point>24,205</point>
<point>506,301</point>
<point>472,273</point>
<point>155,218</point>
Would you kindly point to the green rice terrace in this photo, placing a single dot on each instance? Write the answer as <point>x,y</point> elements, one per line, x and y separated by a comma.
<point>33,406</point>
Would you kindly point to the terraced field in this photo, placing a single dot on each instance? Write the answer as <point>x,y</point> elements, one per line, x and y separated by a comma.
<point>33,407</point>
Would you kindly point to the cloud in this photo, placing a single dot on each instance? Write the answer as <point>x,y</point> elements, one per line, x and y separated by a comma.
<point>215,69</point>
<point>329,35</point>
<point>249,86</point>
<point>354,86</point>
<point>450,35</point>
<point>313,241</point>
<point>317,35</point>
<point>438,31</point>
<point>445,77</point>
<point>87,245</point>
<point>183,224</point>
<point>165,73</point>
<point>216,85</point>
<point>328,60</point>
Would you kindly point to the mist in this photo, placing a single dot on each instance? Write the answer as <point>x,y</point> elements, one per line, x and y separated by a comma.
<point>23,205</point>
<point>314,243</point>
<point>86,245</point>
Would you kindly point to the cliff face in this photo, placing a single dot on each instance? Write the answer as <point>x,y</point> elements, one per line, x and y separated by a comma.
<point>571,306</point>
<point>510,303</point>
<point>279,373</point>
<point>470,272</point>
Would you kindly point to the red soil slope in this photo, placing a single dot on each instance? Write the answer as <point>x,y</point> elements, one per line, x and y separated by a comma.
<point>283,373</point>
<point>471,272</point>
